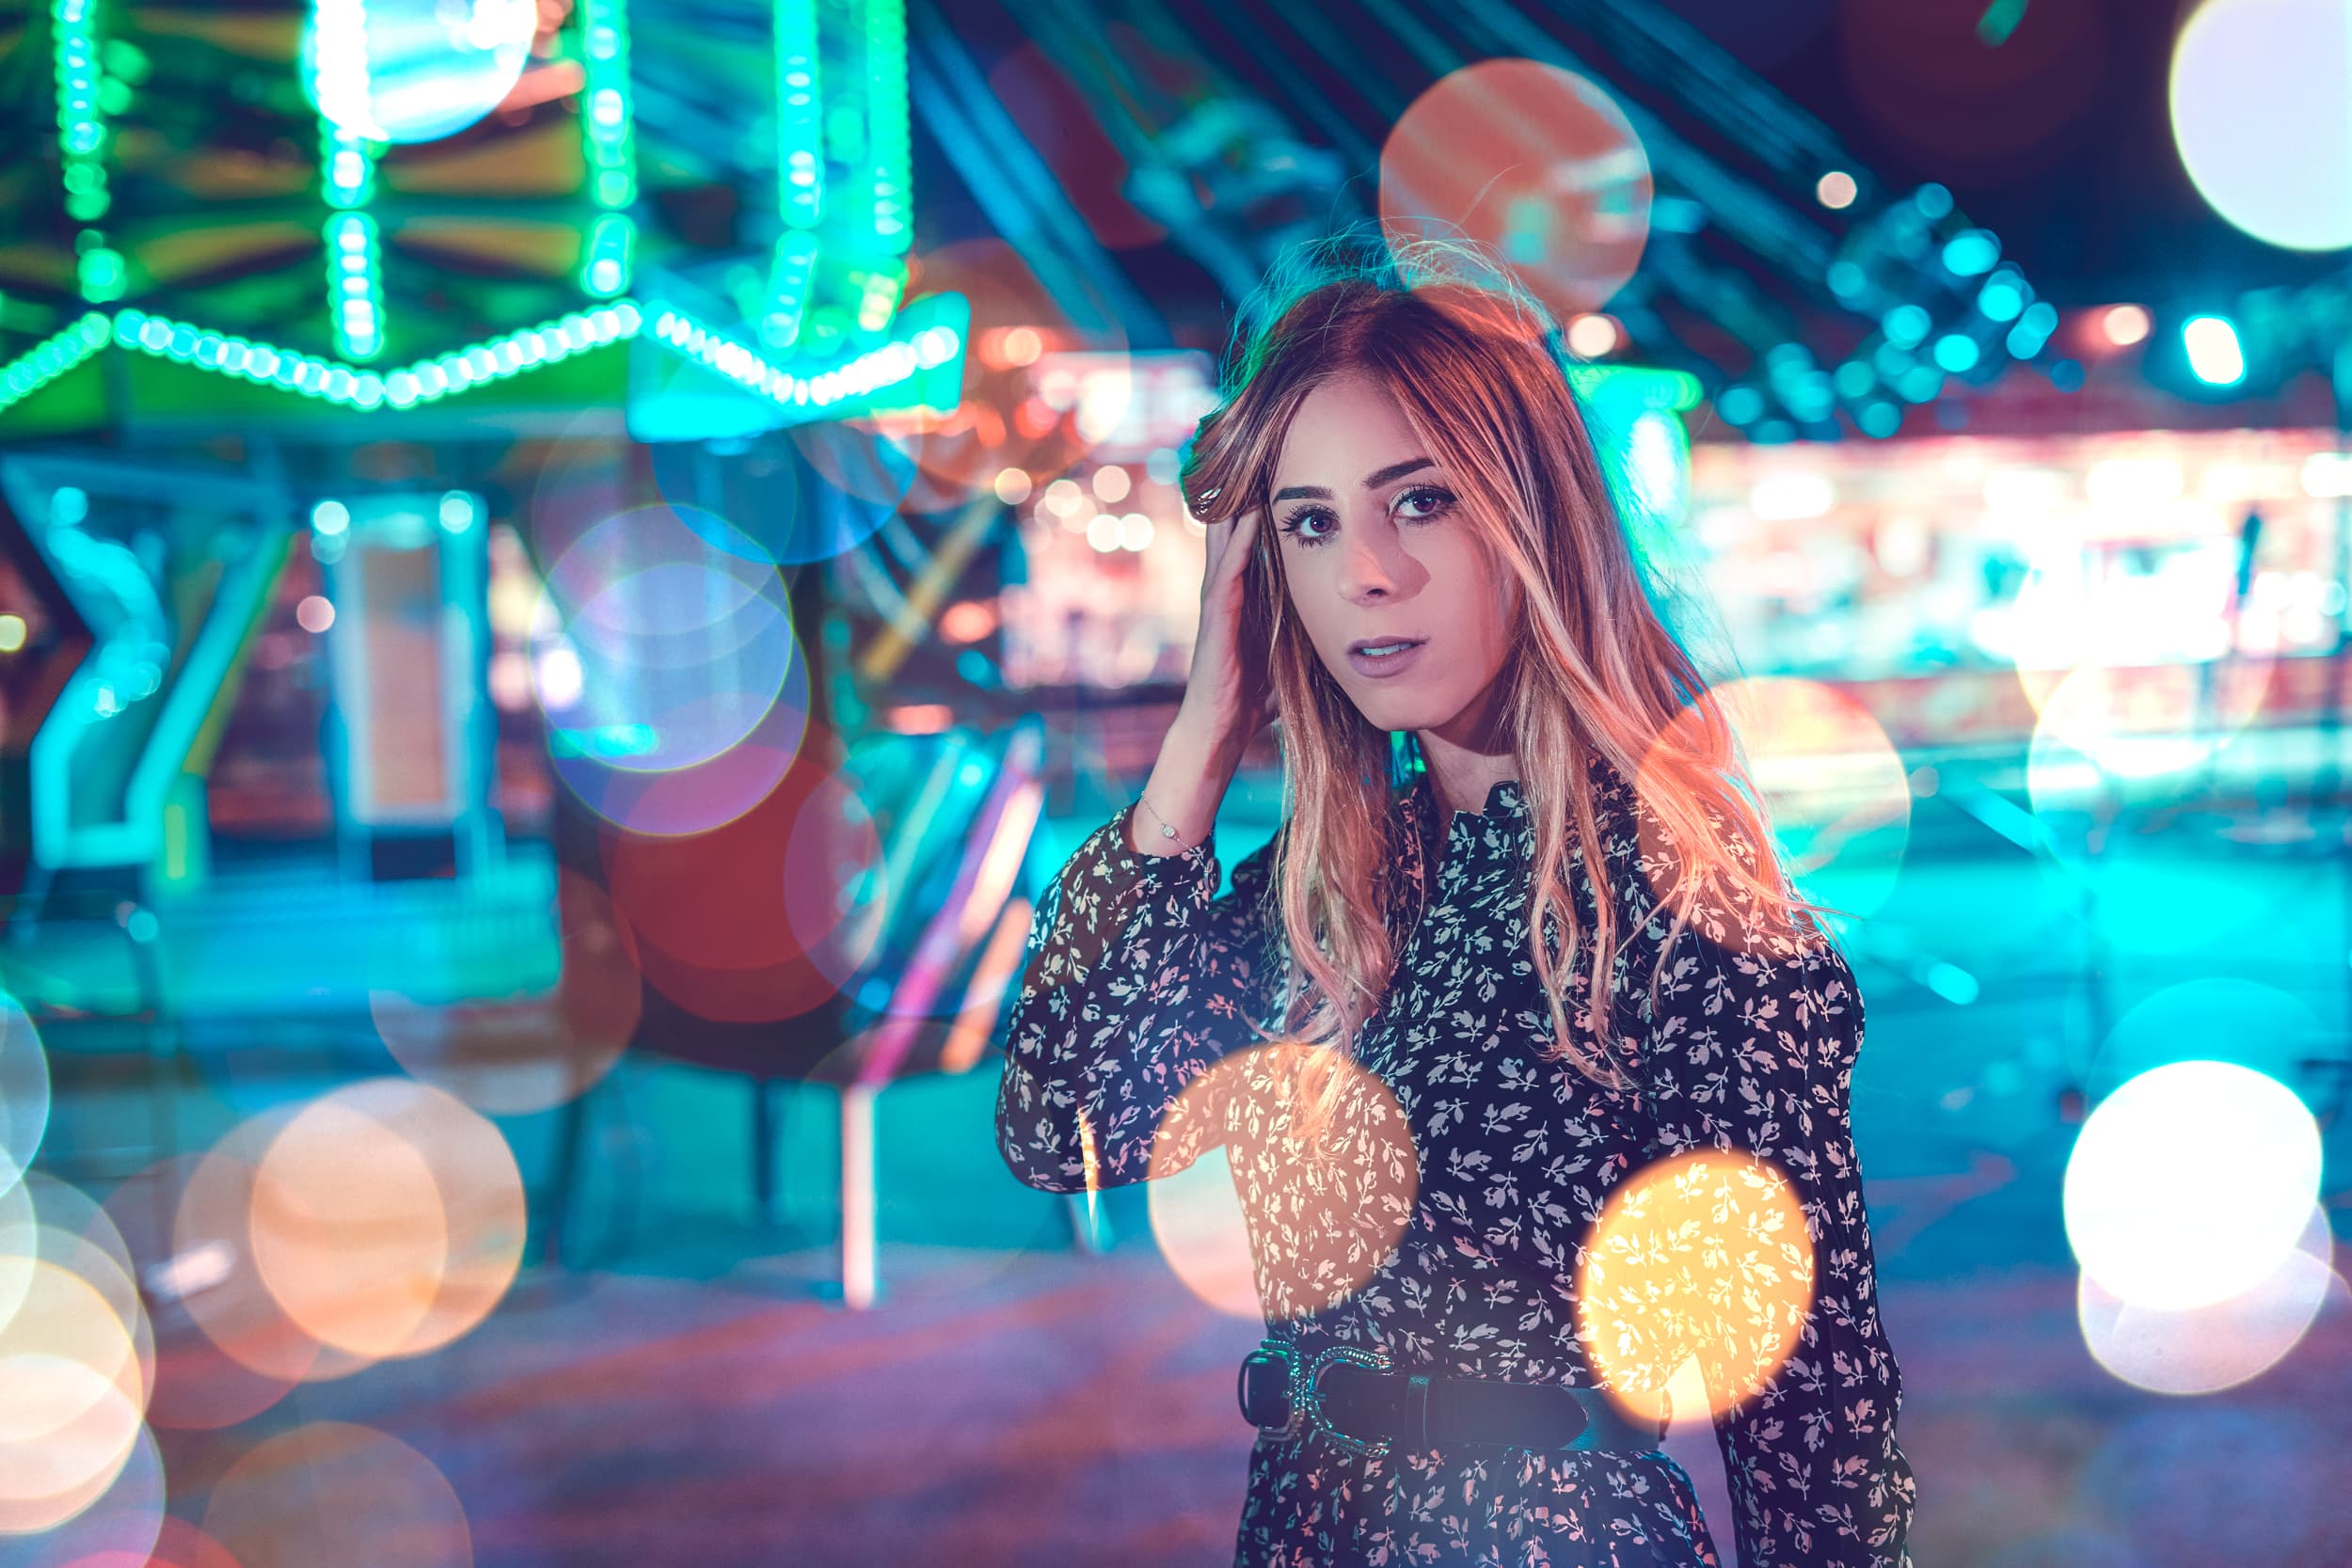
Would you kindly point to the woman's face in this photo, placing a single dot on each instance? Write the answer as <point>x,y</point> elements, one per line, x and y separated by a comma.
<point>1378,555</point>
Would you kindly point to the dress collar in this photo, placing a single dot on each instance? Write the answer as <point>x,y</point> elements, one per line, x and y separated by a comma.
<point>1475,835</point>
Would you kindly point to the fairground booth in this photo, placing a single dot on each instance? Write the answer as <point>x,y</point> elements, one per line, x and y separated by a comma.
<point>572,572</point>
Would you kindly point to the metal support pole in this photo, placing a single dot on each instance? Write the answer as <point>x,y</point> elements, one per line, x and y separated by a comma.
<point>858,1283</point>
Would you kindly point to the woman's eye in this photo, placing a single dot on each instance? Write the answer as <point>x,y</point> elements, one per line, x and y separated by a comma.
<point>1308,526</point>
<point>1429,497</point>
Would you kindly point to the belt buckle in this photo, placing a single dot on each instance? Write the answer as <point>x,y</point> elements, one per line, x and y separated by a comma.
<point>1272,1354</point>
<point>1307,1396</point>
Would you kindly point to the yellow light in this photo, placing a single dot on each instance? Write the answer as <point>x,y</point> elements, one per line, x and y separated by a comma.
<point>1703,1255</point>
<point>2125,325</point>
<point>1592,336</point>
<point>12,633</point>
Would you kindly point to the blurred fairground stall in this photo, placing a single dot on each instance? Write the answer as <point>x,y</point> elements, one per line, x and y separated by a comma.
<point>569,570</point>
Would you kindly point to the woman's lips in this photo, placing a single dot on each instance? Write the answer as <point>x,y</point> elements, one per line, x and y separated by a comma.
<point>1384,666</point>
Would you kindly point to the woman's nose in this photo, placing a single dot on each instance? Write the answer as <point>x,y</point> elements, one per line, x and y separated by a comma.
<point>1364,576</point>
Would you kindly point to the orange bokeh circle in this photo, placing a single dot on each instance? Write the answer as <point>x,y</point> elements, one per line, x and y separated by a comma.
<point>1535,164</point>
<point>1703,1255</point>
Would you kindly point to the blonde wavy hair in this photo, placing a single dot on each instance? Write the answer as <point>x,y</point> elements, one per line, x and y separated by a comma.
<point>1479,370</point>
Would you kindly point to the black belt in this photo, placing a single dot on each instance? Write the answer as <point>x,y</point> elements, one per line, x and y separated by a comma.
<point>1349,1395</point>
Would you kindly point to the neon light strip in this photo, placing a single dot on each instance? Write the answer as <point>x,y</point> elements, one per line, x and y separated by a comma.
<point>346,167</point>
<point>870,371</point>
<point>1677,391</point>
<point>430,380</point>
<point>80,122</point>
<point>889,148</point>
<point>338,73</point>
<point>355,292</point>
<point>82,143</point>
<point>52,358</point>
<point>800,120</point>
<point>609,126</point>
<point>789,282</point>
<point>610,259</point>
<point>425,381</point>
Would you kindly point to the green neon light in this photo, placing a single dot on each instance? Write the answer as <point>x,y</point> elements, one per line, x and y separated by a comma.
<point>929,341</point>
<point>2000,19</point>
<point>860,377</point>
<point>50,360</point>
<point>91,697</point>
<point>346,167</point>
<point>800,116</point>
<point>889,147</point>
<point>789,278</point>
<point>1639,386</point>
<point>425,381</point>
<point>81,116</point>
<point>607,264</point>
<point>355,291</point>
<point>609,120</point>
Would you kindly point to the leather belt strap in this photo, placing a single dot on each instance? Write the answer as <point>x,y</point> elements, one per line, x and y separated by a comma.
<point>1347,1396</point>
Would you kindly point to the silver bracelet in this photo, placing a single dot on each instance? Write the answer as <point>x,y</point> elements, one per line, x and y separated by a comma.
<point>1166,832</point>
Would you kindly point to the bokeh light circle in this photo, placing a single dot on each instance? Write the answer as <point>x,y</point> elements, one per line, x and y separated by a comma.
<point>766,916</point>
<point>113,1544</point>
<point>2259,97</point>
<point>301,1498</point>
<point>802,493</point>
<point>837,896</point>
<point>1336,1186</point>
<point>347,1230</point>
<point>76,1403</point>
<point>1537,164</point>
<point>46,1224</point>
<point>197,1383</point>
<point>700,797</point>
<point>1701,1256</point>
<point>85,1260</point>
<point>2216,1019</point>
<point>213,1242</point>
<point>117,1524</point>
<point>1833,787</point>
<point>20,1243</point>
<point>2190,1183</point>
<point>417,71</point>
<point>2143,722</point>
<point>24,1091</point>
<point>2203,1349</point>
<point>387,1218</point>
<point>1199,1229</point>
<point>663,638</point>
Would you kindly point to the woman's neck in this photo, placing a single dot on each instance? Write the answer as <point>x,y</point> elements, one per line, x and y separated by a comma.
<point>1463,776</point>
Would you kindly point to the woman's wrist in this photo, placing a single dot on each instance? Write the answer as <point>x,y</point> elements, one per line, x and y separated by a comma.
<point>1178,807</point>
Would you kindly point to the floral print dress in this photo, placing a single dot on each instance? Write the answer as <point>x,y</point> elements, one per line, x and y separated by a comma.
<point>1473,1169</point>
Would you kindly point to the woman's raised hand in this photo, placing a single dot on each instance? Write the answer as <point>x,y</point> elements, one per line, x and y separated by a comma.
<point>1226,704</point>
<point>1226,696</point>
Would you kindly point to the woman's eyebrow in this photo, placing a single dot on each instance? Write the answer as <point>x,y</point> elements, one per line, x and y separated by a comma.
<point>1372,480</point>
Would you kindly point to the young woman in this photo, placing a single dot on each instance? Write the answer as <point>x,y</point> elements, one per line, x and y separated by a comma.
<point>1522,940</point>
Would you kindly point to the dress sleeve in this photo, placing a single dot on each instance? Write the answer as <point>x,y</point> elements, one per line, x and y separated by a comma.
<point>1137,978</point>
<point>1751,1048</point>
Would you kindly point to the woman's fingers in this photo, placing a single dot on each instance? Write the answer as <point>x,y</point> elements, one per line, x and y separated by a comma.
<point>1234,551</point>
